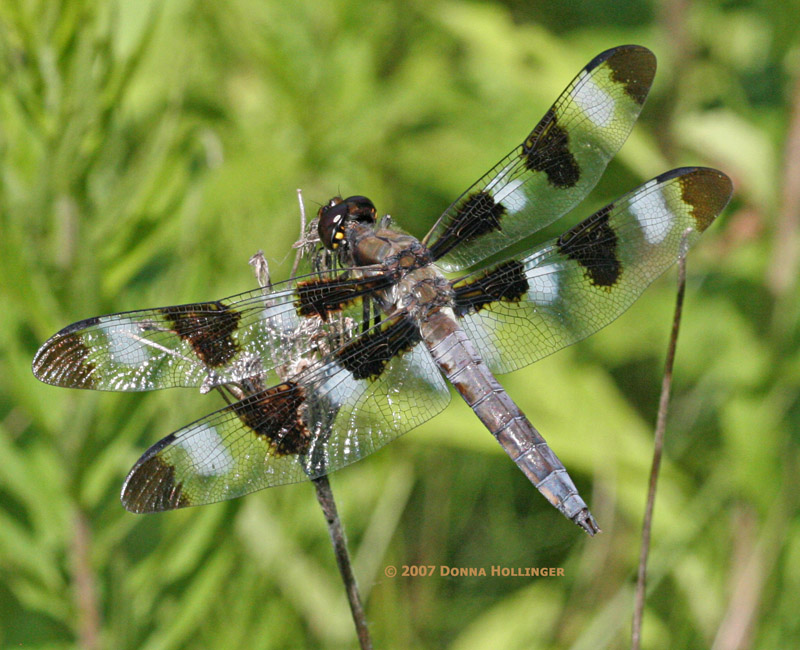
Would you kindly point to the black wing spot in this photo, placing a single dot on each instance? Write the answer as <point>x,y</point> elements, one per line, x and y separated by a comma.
<point>546,150</point>
<point>476,216</point>
<point>322,297</point>
<point>504,282</point>
<point>63,360</point>
<point>274,414</point>
<point>207,327</point>
<point>367,356</point>
<point>705,191</point>
<point>634,68</point>
<point>593,245</point>
<point>151,485</point>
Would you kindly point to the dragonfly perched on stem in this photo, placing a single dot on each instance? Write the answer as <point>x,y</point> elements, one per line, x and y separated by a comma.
<point>318,401</point>
<point>306,248</point>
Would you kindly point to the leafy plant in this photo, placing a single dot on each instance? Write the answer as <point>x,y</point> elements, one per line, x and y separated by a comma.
<point>148,149</point>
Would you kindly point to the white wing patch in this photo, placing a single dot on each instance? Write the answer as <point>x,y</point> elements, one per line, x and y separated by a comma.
<point>593,100</point>
<point>653,214</point>
<point>511,197</point>
<point>338,386</point>
<point>206,451</point>
<point>543,283</point>
<point>280,319</point>
<point>125,342</point>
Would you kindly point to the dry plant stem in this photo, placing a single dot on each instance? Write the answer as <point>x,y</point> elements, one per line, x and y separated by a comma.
<point>673,20</point>
<point>85,592</point>
<point>302,239</point>
<point>658,447</point>
<point>782,273</point>
<point>336,531</point>
<point>321,484</point>
<point>328,504</point>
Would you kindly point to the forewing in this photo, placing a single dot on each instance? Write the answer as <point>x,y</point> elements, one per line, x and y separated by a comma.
<point>201,344</point>
<point>555,167</point>
<point>522,310</point>
<point>364,395</point>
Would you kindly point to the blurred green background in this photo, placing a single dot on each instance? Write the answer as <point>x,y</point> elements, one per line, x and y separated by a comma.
<point>147,149</point>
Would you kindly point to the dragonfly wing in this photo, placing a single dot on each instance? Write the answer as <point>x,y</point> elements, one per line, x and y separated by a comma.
<point>202,344</point>
<point>554,168</point>
<point>368,392</point>
<point>522,310</point>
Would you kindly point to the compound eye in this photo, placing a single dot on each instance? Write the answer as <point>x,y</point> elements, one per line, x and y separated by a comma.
<point>336,200</point>
<point>361,209</point>
<point>332,218</point>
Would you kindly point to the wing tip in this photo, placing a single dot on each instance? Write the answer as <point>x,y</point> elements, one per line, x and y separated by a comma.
<point>640,53</point>
<point>63,359</point>
<point>151,486</point>
<point>631,66</point>
<point>704,189</point>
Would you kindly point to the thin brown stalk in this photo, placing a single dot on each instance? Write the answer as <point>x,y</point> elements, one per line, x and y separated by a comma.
<point>304,246</point>
<point>658,448</point>
<point>325,495</point>
<point>673,21</point>
<point>753,560</point>
<point>782,274</point>
<point>747,576</point>
<point>85,592</point>
<point>339,541</point>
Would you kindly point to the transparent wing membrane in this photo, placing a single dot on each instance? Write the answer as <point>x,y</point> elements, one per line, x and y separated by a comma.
<point>522,310</point>
<point>322,420</point>
<point>203,344</point>
<point>554,168</point>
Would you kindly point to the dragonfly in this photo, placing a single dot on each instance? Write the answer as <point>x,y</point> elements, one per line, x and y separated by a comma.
<point>328,367</point>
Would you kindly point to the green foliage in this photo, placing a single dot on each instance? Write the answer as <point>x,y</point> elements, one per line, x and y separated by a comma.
<point>147,149</point>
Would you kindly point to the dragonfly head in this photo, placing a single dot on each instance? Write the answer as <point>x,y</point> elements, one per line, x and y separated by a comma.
<point>335,215</point>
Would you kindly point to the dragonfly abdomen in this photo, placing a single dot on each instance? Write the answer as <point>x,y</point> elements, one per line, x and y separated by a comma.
<point>459,361</point>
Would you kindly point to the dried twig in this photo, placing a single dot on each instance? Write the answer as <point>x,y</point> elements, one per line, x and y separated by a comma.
<point>782,273</point>
<point>339,541</point>
<point>673,18</point>
<point>658,447</point>
<point>85,590</point>
<point>305,246</point>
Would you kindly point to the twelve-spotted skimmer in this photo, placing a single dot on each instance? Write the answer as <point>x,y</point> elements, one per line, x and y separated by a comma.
<point>333,365</point>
